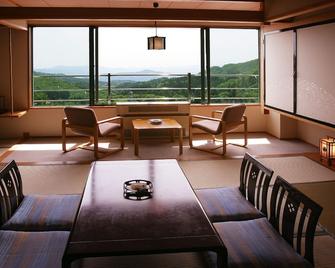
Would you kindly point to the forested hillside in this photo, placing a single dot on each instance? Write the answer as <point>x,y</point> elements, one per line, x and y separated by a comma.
<point>229,83</point>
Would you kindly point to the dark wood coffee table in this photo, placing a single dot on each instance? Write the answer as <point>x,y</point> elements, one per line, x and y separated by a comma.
<point>173,220</point>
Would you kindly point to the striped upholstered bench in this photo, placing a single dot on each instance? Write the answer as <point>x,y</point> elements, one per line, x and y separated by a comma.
<point>248,201</point>
<point>33,212</point>
<point>32,249</point>
<point>286,240</point>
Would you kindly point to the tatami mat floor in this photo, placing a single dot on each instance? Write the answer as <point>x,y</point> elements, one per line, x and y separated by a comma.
<point>46,169</point>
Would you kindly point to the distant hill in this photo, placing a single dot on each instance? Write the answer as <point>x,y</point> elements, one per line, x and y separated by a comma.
<point>248,67</point>
<point>70,70</point>
<point>47,81</point>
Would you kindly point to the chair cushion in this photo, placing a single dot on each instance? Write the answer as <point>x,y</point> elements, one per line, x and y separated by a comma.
<point>255,243</point>
<point>227,204</point>
<point>32,249</point>
<point>212,127</point>
<point>107,128</point>
<point>44,213</point>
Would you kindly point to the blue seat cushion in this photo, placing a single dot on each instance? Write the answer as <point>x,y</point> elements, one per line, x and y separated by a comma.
<point>32,249</point>
<point>227,204</point>
<point>255,243</point>
<point>44,213</point>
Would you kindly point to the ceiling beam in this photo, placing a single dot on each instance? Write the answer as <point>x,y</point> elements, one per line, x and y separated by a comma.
<point>130,13</point>
<point>16,24</point>
<point>240,1</point>
<point>302,11</point>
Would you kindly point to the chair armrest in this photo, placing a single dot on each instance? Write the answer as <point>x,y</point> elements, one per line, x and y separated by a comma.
<point>205,117</point>
<point>216,112</point>
<point>244,118</point>
<point>110,119</point>
<point>65,122</point>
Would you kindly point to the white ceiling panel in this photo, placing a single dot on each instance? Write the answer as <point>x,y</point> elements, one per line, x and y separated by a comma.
<point>148,4</point>
<point>221,5</point>
<point>5,3</point>
<point>185,5</point>
<point>31,3</point>
<point>124,4</point>
<point>78,3</point>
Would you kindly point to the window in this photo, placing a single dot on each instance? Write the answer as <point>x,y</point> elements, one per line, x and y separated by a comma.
<point>123,69</point>
<point>234,72</point>
<point>138,74</point>
<point>60,66</point>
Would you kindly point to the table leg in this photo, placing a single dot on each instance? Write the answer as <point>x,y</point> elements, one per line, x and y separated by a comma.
<point>222,258</point>
<point>172,135</point>
<point>136,140</point>
<point>181,141</point>
<point>66,262</point>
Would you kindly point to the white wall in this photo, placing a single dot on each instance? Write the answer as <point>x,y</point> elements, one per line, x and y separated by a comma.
<point>47,122</point>
<point>312,133</point>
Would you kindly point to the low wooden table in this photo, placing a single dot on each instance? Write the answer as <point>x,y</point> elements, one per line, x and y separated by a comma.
<point>172,220</point>
<point>144,124</point>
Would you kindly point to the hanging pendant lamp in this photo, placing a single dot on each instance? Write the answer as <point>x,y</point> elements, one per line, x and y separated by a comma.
<point>156,42</point>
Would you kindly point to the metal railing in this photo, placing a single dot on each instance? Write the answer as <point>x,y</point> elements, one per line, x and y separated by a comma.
<point>61,90</point>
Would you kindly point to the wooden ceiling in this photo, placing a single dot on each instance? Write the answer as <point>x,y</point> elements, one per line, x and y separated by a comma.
<point>247,5</point>
<point>170,13</point>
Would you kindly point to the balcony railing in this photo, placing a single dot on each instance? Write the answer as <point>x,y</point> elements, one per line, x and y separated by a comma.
<point>62,90</point>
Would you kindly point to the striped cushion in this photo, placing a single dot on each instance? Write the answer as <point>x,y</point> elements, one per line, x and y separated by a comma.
<point>44,213</point>
<point>256,243</point>
<point>32,249</point>
<point>227,204</point>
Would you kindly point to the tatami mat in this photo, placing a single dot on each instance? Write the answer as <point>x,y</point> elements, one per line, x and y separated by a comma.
<point>324,247</point>
<point>323,194</point>
<point>54,179</point>
<point>50,150</point>
<point>47,170</point>
<point>2,150</point>
<point>222,173</point>
<point>63,179</point>
<point>212,173</point>
<point>298,169</point>
<point>315,180</point>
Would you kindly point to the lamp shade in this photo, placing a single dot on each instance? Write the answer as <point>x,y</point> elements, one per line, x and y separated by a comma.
<point>156,42</point>
<point>327,149</point>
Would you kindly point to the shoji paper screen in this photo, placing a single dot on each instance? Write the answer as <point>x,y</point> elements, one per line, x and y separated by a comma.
<point>279,56</point>
<point>316,72</point>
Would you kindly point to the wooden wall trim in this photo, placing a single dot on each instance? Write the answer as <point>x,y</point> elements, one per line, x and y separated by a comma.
<point>130,13</point>
<point>299,118</point>
<point>15,24</point>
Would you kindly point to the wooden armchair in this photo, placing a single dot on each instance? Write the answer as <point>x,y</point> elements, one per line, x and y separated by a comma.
<point>83,121</point>
<point>229,119</point>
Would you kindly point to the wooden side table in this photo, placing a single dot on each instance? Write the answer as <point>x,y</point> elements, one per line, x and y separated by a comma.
<point>167,123</point>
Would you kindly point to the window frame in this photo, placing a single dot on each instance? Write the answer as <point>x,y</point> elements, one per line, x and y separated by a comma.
<point>205,75</point>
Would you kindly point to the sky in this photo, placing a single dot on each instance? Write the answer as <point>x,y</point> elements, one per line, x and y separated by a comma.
<point>125,49</point>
